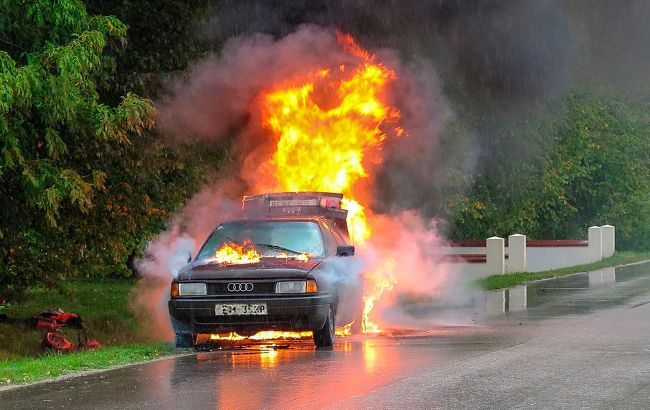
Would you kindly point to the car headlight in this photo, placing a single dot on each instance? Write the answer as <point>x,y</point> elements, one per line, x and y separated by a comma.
<point>192,289</point>
<point>296,286</point>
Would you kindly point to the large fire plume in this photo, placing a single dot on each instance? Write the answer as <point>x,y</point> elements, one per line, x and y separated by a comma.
<point>329,128</point>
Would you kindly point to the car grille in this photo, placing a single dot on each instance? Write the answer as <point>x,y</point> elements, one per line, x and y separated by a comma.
<point>259,288</point>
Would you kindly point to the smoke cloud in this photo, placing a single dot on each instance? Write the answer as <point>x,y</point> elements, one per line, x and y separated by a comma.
<point>501,62</point>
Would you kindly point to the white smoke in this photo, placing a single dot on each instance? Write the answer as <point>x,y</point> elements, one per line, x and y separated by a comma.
<point>169,252</point>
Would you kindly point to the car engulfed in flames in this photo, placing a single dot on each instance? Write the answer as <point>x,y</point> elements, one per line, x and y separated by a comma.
<point>327,130</point>
<point>265,276</point>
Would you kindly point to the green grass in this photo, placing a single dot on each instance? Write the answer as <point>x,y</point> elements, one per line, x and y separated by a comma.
<point>513,279</point>
<point>52,364</point>
<point>105,308</point>
<point>103,305</point>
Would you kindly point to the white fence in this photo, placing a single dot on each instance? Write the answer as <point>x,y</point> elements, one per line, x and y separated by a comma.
<point>496,256</point>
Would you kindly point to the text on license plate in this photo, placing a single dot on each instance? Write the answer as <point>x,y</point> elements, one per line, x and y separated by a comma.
<point>240,309</point>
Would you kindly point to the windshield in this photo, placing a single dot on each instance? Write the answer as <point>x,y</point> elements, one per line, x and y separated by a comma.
<point>270,238</point>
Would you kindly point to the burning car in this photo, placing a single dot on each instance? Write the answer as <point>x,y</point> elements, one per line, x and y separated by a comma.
<point>265,271</point>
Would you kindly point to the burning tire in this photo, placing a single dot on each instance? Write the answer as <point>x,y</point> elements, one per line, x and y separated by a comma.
<point>325,337</point>
<point>184,340</point>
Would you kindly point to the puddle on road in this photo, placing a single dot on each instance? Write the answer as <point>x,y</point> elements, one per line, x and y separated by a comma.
<point>570,295</point>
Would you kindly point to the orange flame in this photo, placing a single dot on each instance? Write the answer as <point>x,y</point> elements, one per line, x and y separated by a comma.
<point>345,330</point>
<point>330,128</point>
<point>233,254</point>
<point>274,335</point>
<point>378,280</point>
<point>325,129</point>
<point>263,335</point>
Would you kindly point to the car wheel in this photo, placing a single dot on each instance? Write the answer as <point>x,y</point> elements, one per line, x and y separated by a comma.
<point>325,337</point>
<point>184,340</point>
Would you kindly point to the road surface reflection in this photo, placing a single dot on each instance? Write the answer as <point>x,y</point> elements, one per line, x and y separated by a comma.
<point>299,375</point>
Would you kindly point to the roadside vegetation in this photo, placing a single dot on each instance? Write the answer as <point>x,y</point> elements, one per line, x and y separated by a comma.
<point>85,179</point>
<point>104,305</point>
<point>513,279</point>
<point>591,168</point>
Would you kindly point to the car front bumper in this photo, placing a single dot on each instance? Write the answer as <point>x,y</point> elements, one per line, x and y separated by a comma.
<point>286,313</point>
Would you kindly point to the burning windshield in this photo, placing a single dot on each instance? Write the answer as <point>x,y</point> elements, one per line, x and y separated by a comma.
<point>249,241</point>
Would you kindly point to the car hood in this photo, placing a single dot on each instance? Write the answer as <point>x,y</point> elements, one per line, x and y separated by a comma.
<point>265,269</point>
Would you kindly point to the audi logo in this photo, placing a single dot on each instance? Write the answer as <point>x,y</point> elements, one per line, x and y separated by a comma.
<point>240,287</point>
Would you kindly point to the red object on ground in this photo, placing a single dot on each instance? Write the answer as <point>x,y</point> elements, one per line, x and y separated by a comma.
<point>56,341</point>
<point>53,321</point>
<point>47,324</point>
<point>90,345</point>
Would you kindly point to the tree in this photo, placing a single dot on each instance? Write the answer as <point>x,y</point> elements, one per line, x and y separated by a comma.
<point>595,170</point>
<point>57,137</point>
<point>165,37</point>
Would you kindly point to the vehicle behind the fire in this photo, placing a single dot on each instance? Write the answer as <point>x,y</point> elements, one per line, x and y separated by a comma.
<point>266,271</point>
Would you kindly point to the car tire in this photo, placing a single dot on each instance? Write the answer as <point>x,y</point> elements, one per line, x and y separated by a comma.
<point>184,340</point>
<point>325,337</point>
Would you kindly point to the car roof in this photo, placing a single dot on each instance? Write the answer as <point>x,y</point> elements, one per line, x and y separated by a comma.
<point>287,219</point>
<point>328,223</point>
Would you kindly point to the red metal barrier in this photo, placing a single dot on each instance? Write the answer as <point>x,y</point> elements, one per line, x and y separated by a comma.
<point>554,243</point>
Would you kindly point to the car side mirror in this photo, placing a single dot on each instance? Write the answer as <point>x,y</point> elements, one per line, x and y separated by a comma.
<point>345,250</point>
<point>189,257</point>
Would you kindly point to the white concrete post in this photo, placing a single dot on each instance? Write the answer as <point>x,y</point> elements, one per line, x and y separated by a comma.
<point>609,240</point>
<point>595,238</point>
<point>516,253</point>
<point>518,298</point>
<point>495,256</point>
<point>495,302</point>
<point>601,277</point>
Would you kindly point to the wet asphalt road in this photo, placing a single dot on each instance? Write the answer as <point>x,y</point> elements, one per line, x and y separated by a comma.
<point>581,342</point>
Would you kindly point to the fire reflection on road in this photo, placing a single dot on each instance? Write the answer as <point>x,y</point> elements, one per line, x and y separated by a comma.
<point>369,356</point>
<point>269,358</point>
<point>260,372</point>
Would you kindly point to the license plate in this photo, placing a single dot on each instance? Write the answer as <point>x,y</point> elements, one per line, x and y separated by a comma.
<point>240,309</point>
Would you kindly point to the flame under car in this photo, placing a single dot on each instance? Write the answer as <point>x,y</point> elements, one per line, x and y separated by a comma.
<point>265,272</point>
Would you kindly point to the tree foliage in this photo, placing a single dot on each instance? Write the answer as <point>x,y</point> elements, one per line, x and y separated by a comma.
<point>165,37</point>
<point>595,170</point>
<point>86,181</point>
<point>55,132</point>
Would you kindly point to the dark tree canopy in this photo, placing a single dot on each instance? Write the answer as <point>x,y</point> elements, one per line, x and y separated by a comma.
<point>57,136</point>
